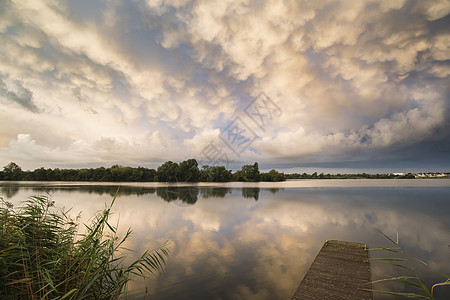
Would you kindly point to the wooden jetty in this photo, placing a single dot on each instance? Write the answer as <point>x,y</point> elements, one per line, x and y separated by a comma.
<point>341,270</point>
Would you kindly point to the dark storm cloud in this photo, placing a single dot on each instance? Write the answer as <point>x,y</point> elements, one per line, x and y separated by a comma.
<point>13,91</point>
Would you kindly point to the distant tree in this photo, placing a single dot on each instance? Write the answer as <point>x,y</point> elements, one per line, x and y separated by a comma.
<point>148,175</point>
<point>12,171</point>
<point>220,174</point>
<point>86,174</point>
<point>272,175</point>
<point>26,175</point>
<point>168,172</point>
<point>249,173</point>
<point>69,175</point>
<point>189,171</point>
<point>120,173</point>
<point>136,174</point>
<point>239,176</point>
<point>215,174</point>
<point>99,174</point>
<point>53,175</point>
<point>40,174</point>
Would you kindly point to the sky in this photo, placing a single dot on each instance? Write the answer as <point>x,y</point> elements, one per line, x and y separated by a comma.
<point>294,85</point>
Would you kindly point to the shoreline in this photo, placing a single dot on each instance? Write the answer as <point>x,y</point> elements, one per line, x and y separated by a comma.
<point>290,183</point>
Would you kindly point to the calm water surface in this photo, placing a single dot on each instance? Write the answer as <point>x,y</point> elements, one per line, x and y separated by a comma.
<point>257,240</point>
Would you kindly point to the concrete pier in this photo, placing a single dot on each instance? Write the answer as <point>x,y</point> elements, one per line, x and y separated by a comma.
<point>341,270</point>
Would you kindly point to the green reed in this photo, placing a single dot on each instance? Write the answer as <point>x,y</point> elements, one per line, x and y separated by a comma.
<point>404,261</point>
<point>43,257</point>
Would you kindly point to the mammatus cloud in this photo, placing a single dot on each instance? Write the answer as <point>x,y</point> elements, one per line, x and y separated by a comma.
<point>12,91</point>
<point>147,82</point>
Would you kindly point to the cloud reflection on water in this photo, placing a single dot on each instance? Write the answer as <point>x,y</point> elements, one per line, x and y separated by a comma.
<point>229,246</point>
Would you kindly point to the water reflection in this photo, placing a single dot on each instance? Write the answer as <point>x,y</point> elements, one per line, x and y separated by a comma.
<point>251,193</point>
<point>274,190</point>
<point>185,194</point>
<point>214,192</point>
<point>9,191</point>
<point>226,245</point>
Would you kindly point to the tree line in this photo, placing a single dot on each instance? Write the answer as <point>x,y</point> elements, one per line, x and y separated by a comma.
<point>185,171</point>
<point>315,175</point>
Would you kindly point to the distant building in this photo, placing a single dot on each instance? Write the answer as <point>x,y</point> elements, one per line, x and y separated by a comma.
<point>398,174</point>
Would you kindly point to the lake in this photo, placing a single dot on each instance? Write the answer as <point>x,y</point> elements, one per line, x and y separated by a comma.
<point>257,240</point>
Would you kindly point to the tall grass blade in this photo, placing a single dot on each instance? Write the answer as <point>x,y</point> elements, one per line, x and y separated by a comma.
<point>389,238</point>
